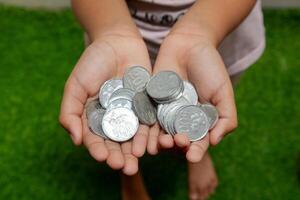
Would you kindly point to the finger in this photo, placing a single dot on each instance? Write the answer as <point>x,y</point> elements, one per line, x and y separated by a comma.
<point>94,143</point>
<point>152,146</point>
<point>165,140</point>
<point>115,157</point>
<point>223,127</point>
<point>140,141</point>
<point>197,150</point>
<point>217,90</point>
<point>72,108</point>
<point>224,102</point>
<point>181,140</point>
<point>131,162</point>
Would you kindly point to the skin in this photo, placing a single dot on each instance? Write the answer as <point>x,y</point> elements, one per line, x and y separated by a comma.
<point>190,49</point>
<point>102,60</point>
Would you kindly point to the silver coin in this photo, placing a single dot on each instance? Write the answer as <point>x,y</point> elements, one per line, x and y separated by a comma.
<point>107,89</point>
<point>211,113</point>
<point>172,118</point>
<point>170,99</point>
<point>192,121</point>
<point>190,93</point>
<point>144,108</point>
<point>158,113</point>
<point>120,124</point>
<point>164,85</point>
<point>92,106</point>
<point>170,112</point>
<point>94,114</point>
<point>121,102</point>
<point>136,78</point>
<point>165,113</point>
<point>122,93</point>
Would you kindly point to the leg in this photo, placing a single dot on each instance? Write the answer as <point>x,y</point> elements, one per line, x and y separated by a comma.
<point>133,187</point>
<point>202,178</point>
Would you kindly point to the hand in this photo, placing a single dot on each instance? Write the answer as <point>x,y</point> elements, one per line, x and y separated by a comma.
<point>196,60</point>
<point>105,58</point>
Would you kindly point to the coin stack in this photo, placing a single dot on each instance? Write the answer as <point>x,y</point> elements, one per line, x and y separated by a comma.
<point>139,98</point>
<point>180,111</point>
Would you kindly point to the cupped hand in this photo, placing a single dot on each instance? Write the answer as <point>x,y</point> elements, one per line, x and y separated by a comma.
<point>198,61</point>
<point>105,58</point>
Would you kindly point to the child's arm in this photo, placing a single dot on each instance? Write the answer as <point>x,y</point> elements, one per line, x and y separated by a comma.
<point>190,49</point>
<point>213,19</point>
<point>116,45</point>
<point>101,17</point>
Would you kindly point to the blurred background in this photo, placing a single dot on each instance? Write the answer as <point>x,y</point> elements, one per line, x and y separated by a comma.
<point>40,44</point>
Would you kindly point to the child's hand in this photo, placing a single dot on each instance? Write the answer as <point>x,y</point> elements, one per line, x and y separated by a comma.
<point>105,58</point>
<point>196,60</point>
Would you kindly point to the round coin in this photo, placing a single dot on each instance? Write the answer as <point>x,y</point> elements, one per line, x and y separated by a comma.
<point>94,115</point>
<point>120,124</point>
<point>164,85</point>
<point>107,89</point>
<point>122,93</point>
<point>92,106</point>
<point>190,93</point>
<point>192,121</point>
<point>136,78</point>
<point>121,102</point>
<point>211,113</point>
<point>144,108</point>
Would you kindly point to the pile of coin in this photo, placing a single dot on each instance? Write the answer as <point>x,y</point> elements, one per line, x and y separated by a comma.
<point>139,98</point>
<point>178,108</point>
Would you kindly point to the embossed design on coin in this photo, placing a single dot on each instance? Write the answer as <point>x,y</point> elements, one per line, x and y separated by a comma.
<point>165,86</point>
<point>211,113</point>
<point>144,108</point>
<point>107,89</point>
<point>136,78</point>
<point>120,124</point>
<point>192,121</point>
<point>190,93</point>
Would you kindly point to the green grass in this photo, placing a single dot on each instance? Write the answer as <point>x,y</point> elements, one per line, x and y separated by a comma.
<point>37,160</point>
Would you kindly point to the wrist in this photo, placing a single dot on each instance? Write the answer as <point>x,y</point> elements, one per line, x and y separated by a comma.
<point>120,30</point>
<point>196,31</point>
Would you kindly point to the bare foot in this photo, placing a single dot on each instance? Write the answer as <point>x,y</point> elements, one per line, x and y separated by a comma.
<point>133,188</point>
<point>202,179</point>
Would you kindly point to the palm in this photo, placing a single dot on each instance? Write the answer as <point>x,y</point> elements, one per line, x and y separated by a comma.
<point>200,64</point>
<point>101,61</point>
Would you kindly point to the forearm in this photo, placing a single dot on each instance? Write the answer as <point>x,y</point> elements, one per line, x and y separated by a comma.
<point>100,17</point>
<point>213,19</point>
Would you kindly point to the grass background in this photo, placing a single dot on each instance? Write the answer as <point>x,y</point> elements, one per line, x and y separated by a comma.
<point>37,160</point>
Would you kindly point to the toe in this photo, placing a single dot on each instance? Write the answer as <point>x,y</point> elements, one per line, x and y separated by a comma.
<point>203,194</point>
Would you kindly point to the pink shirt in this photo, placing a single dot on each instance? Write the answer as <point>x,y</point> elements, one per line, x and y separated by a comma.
<point>239,50</point>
